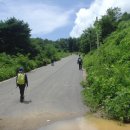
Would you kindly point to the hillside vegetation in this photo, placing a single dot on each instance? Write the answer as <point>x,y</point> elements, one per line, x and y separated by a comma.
<point>17,48</point>
<point>107,87</point>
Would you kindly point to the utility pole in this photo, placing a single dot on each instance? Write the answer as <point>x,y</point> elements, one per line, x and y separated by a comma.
<point>90,46</point>
<point>97,32</point>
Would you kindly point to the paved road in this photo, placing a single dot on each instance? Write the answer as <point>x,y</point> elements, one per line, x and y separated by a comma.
<point>53,94</point>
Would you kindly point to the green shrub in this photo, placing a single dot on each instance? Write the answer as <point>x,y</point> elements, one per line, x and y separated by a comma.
<point>9,65</point>
<point>108,75</point>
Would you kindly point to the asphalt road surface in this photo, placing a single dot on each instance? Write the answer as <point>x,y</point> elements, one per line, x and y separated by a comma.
<point>53,94</point>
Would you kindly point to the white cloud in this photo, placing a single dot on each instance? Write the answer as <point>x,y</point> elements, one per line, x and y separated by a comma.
<point>42,18</point>
<point>86,17</point>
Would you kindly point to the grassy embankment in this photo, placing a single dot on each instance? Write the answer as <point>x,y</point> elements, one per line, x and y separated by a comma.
<point>107,87</point>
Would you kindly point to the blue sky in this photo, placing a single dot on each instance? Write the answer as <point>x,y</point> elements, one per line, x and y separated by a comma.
<point>54,19</point>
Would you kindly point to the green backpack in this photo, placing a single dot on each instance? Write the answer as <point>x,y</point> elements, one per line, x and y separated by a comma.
<point>21,78</point>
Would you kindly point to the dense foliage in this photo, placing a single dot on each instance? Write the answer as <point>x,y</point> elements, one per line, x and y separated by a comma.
<point>14,36</point>
<point>18,49</point>
<point>108,68</point>
<point>94,36</point>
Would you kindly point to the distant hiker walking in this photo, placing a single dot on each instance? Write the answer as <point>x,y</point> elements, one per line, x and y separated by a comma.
<point>79,61</point>
<point>21,82</point>
<point>52,62</point>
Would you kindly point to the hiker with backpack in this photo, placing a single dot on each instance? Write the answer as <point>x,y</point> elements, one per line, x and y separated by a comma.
<point>79,61</point>
<point>52,62</point>
<point>21,82</point>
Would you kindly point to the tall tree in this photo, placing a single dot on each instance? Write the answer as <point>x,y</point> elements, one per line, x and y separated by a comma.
<point>125,17</point>
<point>14,36</point>
<point>88,40</point>
<point>110,21</point>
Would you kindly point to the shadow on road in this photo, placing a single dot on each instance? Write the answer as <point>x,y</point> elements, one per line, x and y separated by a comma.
<point>27,102</point>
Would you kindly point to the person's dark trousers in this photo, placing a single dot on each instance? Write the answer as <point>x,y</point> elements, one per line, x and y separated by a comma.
<point>21,88</point>
<point>80,66</point>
